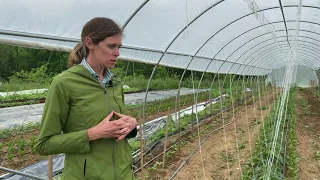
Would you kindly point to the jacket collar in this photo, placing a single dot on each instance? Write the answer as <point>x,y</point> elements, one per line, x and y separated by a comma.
<point>82,71</point>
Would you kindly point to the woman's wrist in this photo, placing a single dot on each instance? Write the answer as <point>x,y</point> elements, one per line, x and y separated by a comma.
<point>92,134</point>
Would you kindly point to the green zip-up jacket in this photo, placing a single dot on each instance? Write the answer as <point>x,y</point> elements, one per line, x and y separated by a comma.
<point>76,102</point>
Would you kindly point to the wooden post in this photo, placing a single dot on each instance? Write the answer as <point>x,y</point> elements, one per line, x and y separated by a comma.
<point>166,138</point>
<point>211,110</point>
<point>192,117</point>
<point>50,166</point>
<point>141,149</point>
<point>179,126</point>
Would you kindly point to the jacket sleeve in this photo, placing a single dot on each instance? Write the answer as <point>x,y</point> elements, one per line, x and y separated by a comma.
<point>134,132</point>
<point>51,140</point>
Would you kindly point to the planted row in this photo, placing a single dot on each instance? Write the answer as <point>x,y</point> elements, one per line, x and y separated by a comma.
<point>262,159</point>
<point>292,158</point>
<point>19,147</point>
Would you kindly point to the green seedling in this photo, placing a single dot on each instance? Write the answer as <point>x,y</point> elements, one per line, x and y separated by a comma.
<point>317,155</point>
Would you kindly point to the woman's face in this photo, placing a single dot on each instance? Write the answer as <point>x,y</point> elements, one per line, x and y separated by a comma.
<point>107,51</point>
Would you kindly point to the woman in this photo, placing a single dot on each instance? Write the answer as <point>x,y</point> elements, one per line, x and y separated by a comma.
<point>83,115</point>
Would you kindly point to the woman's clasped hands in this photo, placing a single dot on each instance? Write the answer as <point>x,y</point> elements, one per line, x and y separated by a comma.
<point>119,128</point>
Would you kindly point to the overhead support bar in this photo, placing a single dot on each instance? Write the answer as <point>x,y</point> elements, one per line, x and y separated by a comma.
<point>284,21</point>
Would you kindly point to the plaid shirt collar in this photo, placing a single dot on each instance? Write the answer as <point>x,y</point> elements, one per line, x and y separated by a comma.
<point>107,73</point>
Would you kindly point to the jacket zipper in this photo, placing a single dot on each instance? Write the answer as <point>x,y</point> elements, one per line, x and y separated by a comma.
<point>113,159</point>
<point>115,99</point>
<point>114,163</point>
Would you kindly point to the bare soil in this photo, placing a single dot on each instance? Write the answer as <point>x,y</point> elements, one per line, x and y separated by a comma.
<point>308,135</point>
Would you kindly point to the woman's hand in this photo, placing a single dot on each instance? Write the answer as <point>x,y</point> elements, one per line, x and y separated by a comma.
<point>107,129</point>
<point>113,129</point>
<point>130,122</point>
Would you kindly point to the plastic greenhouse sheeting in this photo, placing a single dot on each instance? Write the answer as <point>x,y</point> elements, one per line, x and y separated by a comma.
<point>303,76</point>
<point>226,36</point>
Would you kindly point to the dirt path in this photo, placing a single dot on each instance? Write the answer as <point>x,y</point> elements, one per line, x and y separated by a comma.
<point>308,135</point>
<point>247,119</point>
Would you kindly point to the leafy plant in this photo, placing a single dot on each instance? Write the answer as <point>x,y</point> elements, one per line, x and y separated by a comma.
<point>317,155</point>
<point>32,143</point>
<point>10,152</point>
<point>156,166</point>
<point>22,144</point>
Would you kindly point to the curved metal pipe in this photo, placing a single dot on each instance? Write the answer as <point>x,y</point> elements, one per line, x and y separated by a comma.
<point>261,48</point>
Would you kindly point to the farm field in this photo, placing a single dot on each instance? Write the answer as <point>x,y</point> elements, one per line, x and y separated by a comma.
<point>243,121</point>
<point>160,90</point>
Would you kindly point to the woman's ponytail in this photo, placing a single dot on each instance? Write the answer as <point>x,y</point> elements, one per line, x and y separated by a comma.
<point>76,55</point>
